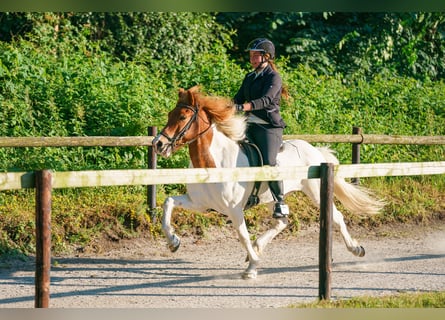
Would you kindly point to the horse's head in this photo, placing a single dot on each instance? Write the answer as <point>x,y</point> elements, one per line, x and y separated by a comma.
<point>184,123</point>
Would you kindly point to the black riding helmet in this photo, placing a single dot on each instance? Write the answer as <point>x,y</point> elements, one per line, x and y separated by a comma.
<point>262,45</point>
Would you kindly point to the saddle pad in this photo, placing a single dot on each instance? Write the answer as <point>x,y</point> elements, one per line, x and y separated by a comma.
<point>253,154</point>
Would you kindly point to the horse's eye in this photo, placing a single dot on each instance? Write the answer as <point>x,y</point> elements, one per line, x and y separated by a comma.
<point>182,117</point>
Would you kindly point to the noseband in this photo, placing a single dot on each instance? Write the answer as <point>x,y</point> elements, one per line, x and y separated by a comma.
<point>174,140</point>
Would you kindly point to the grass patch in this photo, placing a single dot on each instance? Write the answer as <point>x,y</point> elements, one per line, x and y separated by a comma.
<point>78,217</point>
<point>402,300</point>
<point>417,199</point>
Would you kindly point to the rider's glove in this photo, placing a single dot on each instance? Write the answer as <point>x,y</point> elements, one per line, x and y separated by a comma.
<point>239,107</point>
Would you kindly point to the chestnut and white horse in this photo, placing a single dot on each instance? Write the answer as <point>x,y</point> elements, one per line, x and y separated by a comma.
<point>211,128</point>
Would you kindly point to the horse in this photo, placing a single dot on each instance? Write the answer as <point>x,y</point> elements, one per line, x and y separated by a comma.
<point>213,131</point>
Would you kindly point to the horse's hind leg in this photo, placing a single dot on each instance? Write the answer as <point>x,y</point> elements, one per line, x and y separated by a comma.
<point>311,188</point>
<point>351,244</point>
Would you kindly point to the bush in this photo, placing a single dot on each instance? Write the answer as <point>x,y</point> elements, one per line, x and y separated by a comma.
<point>76,92</point>
<point>388,104</point>
<point>57,82</point>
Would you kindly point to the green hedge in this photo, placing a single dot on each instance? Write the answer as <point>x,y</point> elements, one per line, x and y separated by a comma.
<point>387,104</point>
<point>73,88</point>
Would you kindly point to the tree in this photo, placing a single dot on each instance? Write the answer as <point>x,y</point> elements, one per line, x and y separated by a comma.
<point>411,44</point>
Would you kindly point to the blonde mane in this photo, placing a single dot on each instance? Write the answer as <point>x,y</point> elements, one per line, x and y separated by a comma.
<point>222,113</point>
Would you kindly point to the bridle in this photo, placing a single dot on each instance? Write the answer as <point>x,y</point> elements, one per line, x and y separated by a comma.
<point>174,140</point>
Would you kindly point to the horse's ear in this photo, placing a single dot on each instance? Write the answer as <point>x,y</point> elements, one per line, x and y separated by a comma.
<point>194,89</point>
<point>181,92</point>
<point>191,97</point>
<point>192,94</point>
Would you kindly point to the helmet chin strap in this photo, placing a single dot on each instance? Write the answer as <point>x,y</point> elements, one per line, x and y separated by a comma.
<point>260,66</point>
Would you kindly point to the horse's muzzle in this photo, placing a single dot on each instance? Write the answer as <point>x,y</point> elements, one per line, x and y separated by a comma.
<point>161,148</point>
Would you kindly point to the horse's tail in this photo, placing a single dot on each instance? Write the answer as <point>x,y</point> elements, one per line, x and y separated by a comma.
<point>355,198</point>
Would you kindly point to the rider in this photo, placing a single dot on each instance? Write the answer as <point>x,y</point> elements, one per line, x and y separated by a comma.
<point>259,96</point>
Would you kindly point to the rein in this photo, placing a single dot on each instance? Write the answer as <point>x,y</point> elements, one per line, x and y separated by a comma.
<point>174,140</point>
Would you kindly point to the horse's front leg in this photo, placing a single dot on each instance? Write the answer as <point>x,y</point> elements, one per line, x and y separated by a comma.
<point>173,240</point>
<point>243,235</point>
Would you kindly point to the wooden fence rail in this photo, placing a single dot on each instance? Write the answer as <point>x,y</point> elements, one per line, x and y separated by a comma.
<point>95,178</point>
<point>134,141</point>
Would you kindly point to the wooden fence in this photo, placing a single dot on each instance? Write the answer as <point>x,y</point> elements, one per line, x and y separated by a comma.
<point>45,181</point>
<point>356,139</point>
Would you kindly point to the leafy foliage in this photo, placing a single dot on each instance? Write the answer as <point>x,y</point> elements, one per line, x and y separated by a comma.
<point>65,74</point>
<point>62,79</point>
<point>69,87</point>
<point>349,43</point>
<point>384,104</point>
<point>146,36</point>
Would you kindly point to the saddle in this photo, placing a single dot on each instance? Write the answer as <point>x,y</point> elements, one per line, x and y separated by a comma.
<point>255,158</point>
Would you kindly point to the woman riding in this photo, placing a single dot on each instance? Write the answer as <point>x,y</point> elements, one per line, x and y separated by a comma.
<point>259,96</point>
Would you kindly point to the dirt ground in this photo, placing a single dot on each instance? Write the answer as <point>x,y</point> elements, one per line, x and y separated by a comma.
<point>206,271</point>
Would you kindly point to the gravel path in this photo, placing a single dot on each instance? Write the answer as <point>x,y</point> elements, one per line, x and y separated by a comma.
<point>205,273</point>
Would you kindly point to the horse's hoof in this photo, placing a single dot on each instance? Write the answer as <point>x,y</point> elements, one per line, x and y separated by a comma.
<point>249,275</point>
<point>174,248</point>
<point>362,252</point>
<point>175,243</point>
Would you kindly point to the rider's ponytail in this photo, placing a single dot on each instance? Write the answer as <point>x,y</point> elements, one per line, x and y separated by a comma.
<point>284,90</point>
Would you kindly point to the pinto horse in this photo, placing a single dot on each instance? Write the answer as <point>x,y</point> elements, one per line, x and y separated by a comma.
<point>213,130</point>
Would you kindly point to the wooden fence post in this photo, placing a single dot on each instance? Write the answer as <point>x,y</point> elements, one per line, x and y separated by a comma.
<point>325,243</point>
<point>356,152</point>
<point>43,182</point>
<point>151,189</point>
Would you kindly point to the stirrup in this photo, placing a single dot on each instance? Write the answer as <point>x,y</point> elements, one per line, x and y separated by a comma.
<point>281,210</point>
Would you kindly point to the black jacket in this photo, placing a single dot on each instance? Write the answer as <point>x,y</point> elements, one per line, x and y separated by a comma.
<point>264,93</point>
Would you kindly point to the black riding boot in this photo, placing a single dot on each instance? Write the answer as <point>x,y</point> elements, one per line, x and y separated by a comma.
<point>281,209</point>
